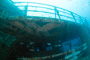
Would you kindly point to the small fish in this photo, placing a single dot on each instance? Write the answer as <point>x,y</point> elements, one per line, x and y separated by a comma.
<point>57,45</point>
<point>59,41</point>
<point>31,50</point>
<point>31,43</point>
<point>48,43</point>
<point>27,46</point>
<point>21,43</point>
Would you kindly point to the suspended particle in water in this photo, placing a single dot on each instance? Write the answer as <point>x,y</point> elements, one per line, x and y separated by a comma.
<point>82,8</point>
<point>69,0</point>
<point>86,5</point>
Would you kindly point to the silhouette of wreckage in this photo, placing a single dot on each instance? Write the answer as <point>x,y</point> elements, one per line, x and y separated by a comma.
<point>40,31</point>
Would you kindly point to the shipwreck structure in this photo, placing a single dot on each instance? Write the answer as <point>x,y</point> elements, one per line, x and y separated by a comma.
<point>64,35</point>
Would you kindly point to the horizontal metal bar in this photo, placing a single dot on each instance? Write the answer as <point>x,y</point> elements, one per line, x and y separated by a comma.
<point>35,3</point>
<point>37,7</point>
<point>42,7</point>
<point>49,13</point>
<point>78,15</point>
<point>66,16</point>
<point>40,11</point>
<point>52,8</point>
<point>43,4</point>
<point>46,8</point>
<point>64,12</point>
<point>47,5</point>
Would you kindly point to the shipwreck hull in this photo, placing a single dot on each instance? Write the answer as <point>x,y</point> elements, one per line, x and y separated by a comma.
<point>38,37</point>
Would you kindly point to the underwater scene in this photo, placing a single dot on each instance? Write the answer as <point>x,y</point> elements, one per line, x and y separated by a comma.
<point>44,30</point>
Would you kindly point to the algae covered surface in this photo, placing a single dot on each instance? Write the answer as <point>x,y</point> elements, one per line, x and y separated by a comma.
<point>29,34</point>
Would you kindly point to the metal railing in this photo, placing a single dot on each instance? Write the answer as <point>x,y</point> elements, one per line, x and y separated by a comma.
<point>57,12</point>
<point>69,55</point>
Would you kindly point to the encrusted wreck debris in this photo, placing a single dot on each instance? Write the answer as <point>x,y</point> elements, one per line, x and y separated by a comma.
<point>36,35</point>
<point>32,27</point>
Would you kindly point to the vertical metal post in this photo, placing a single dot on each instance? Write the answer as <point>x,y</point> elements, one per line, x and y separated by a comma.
<point>73,16</point>
<point>26,9</point>
<point>57,13</point>
<point>81,21</point>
